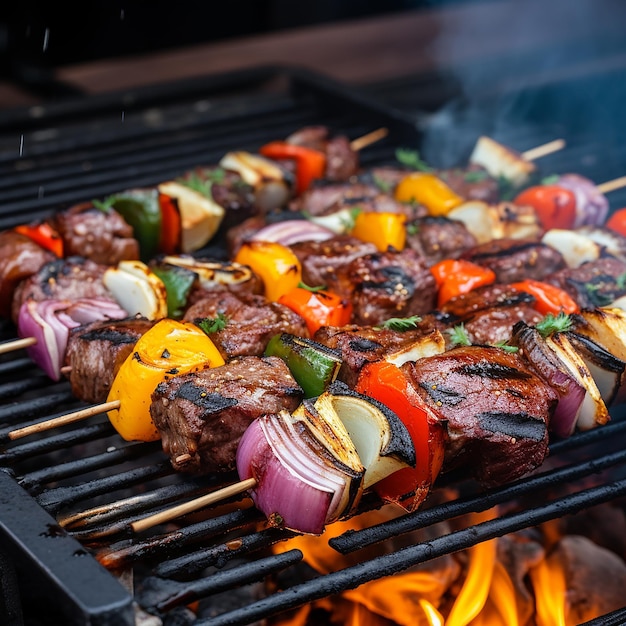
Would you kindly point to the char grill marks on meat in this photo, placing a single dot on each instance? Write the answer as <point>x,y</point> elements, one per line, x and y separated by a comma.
<point>495,408</point>
<point>201,416</point>
<point>592,284</point>
<point>95,352</point>
<point>20,257</point>
<point>514,260</point>
<point>390,284</point>
<point>102,236</point>
<point>489,313</point>
<point>62,279</point>
<point>437,238</point>
<point>327,262</point>
<point>251,321</point>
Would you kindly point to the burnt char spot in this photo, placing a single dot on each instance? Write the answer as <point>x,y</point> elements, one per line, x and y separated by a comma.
<point>516,425</point>
<point>441,394</point>
<point>493,370</point>
<point>361,344</point>
<point>210,402</point>
<point>114,337</point>
<point>504,252</point>
<point>394,276</point>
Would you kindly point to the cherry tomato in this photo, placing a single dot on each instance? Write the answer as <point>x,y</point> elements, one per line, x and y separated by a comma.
<point>555,206</point>
<point>617,221</point>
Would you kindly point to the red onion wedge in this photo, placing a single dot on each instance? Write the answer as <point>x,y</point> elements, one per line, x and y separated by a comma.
<point>49,323</point>
<point>592,206</point>
<point>289,232</point>
<point>302,483</point>
<point>552,369</point>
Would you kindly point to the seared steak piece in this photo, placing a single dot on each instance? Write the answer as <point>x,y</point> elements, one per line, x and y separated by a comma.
<point>495,408</point>
<point>102,236</point>
<point>202,415</point>
<point>326,262</point>
<point>324,197</point>
<point>596,283</point>
<point>96,351</point>
<point>20,258</point>
<point>468,304</point>
<point>439,238</point>
<point>250,321</point>
<point>513,260</point>
<point>359,345</point>
<point>63,279</point>
<point>390,284</point>
<point>472,182</point>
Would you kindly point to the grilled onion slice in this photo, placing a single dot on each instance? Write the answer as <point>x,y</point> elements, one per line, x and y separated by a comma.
<point>305,478</point>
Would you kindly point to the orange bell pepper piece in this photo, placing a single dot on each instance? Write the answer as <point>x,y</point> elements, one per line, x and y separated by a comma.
<point>548,298</point>
<point>310,163</point>
<point>383,229</point>
<point>318,308</point>
<point>276,265</point>
<point>457,276</point>
<point>44,235</point>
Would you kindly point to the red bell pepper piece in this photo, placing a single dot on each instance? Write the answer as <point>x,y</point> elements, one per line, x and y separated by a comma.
<point>310,163</point>
<point>390,385</point>
<point>548,298</point>
<point>44,235</point>
<point>458,276</point>
<point>318,308</point>
<point>171,225</point>
<point>555,206</point>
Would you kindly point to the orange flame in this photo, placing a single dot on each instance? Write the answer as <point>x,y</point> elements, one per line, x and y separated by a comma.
<point>548,580</point>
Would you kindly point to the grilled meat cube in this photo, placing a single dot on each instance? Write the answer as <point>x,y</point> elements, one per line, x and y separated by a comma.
<point>359,345</point>
<point>96,351</point>
<point>326,262</point>
<point>439,238</point>
<point>102,236</point>
<point>201,416</point>
<point>63,279</point>
<point>514,260</point>
<point>390,284</point>
<point>20,258</point>
<point>495,408</point>
<point>251,320</point>
<point>472,182</point>
<point>592,284</point>
<point>324,197</point>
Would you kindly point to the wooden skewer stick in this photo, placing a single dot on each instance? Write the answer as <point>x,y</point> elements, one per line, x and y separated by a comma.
<point>193,505</point>
<point>361,142</point>
<point>17,344</point>
<point>62,420</point>
<point>543,150</point>
<point>612,185</point>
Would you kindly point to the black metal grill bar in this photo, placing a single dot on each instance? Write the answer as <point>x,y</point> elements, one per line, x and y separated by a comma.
<point>354,540</point>
<point>31,407</point>
<point>394,563</point>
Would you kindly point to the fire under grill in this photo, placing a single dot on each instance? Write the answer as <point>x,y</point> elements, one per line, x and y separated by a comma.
<point>68,496</point>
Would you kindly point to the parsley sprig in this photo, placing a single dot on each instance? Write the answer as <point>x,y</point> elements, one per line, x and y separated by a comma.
<point>400,324</point>
<point>412,159</point>
<point>213,324</point>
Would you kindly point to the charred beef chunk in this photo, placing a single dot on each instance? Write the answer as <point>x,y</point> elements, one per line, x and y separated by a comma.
<point>327,262</point>
<point>593,284</point>
<point>513,260</point>
<point>359,345</point>
<point>20,258</point>
<point>390,284</point>
<point>495,408</point>
<point>439,238</point>
<point>244,322</point>
<point>102,236</point>
<point>236,235</point>
<point>63,279</point>
<point>325,197</point>
<point>96,351</point>
<point>202,415</point>
<point>468,304</point>
<point>472,183</point>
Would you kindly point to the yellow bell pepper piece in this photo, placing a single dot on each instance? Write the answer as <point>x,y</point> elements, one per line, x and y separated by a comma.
<point>168,349</point>
<point>276,265</point>
<point>384,230</point>
<point>428,190</point>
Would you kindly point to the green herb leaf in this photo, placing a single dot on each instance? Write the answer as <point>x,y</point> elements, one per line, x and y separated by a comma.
<point>554,324</point>
<point>597,297</point>
<point>412,228</point>
<point>311,289</point>
<point>503,345</point>
<point>411,158</point>
<point>384,185</point>
<point>213,324</point>
<point>475,176</point>
<point>195,182</point>
<point>400,324</point>
<point>550,180</point>
<point>459,336</point>
<point>348,220</point>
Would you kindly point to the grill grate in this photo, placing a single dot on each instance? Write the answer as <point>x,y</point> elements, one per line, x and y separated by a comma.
<point>68,497</point>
